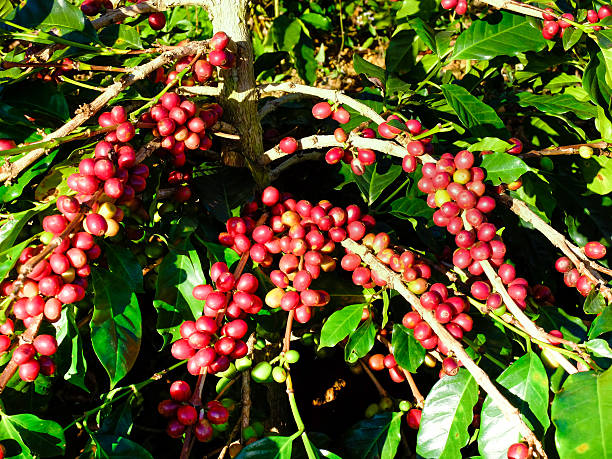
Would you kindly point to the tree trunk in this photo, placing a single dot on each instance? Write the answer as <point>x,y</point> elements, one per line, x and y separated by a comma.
<point>239,98</point>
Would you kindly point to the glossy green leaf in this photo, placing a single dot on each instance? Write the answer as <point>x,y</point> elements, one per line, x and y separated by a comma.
<point>116,327</point>
<point>595,78</point>
<point>8,193</point>
<point>597,172</point>
<point>5,8</point>
<point>71,362</point>
<point>425,33</point>
<point>594,303</point>
<point>273,447</point>
<point>122,263</point>
<point>408,352</point>
<point>26,436</point>
<point>526,387</point>
<point>447,414</point>
<point>377,179</point>
<point>340,324</point>
<point>474,114</point>
<point>503,167</point>
<point>410,207</point>
<point>503,34</point>
<point>60,16</point>
<point>12,228</point>
<point>317,20</point>
<point>113,446</point>
<point>360,341</point>
<point>375,438</point>
<point>370,70</point>
<point>9,258</point>
<point>121,36</point>
<point>177,276</point>
<point>557,104</point>
<point>581,414</point>
<point>602,323</point>
<point>398,56</point>
<point>490,143</point>
<point>599,348</point>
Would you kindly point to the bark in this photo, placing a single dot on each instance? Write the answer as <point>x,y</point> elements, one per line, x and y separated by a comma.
<point>238,97</point>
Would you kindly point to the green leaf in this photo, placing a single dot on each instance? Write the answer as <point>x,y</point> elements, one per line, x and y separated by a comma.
<point>594,303</point>
<point>571,37</point>
<point>12,228</point>
<point>599,348</point>
<point>360,341</point>
<point>121,36</point>
<point>305,62</point>
<point>9,258</point>
<point>581,414</point>
<point>504,34</point>
<point>446,416</point>
<point>595,78</point>
<point>113,446</point>
<point>317,20</point>
<point>72,363</point>
<point>5,8</point>
<point>425,33</point>
<point>410,208</point>
<point>398,56</point>
<point>408,352</point>
<point>273,447</point>
<point>490,143</point>
<point>59,16</point>
<point>526,385</point>
<point>374,181</point>
<point>475,115</point>
<point>116,328</point>
<point>26,436</point>
<point>8,193</point>
<point>370,70</point>
<point>375,438</point>
<point>597,172</point>
<point>177,276</point>
<point>503,167</point>
<point>340,324</point>
<point>557,104</point>
<point>602,323</point>
<point>123,264</point>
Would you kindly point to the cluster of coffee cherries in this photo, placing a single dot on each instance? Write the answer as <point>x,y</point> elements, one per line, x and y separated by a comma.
<point>451,311</point>
<point>181,125</point>
<point>61,277</point>
<point>379,362</point>
<point>553,26</point>
<point>202,70</point>
<point>182,414</point>
<point>357,158</point>
<point>93,7</point>
<point>460,6</point>
<point>302,237</point>
<point>205,344</point>
<point>114,169</point>
<point>571,276</point>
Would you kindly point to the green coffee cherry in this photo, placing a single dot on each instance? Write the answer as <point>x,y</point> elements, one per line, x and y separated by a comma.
<point>371,410</point>
<point>292,356</point>
<point>279,374</point>
<point>229,373</point>
<point>249,432</point>
<point>405,405</point>
<point>262,372</point>
<point>385,404</point>
<point>500,311</point>
<point>221,384</point>
<point>585,151</point>
<point>46,237</point>
<point>243,363</point>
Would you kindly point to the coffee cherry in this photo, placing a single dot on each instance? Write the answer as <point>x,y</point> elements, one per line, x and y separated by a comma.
<point>376,362</point>
<point>413,417</point>
<point>203,431</point>
<point>595,250</point>
<point>321,110</point>
<point>216,413</point>
<point>23,353</point>
<point>187,415</point>
<point>219,41</point>
<point>518,451</point>
<point>45,345</point>
<point>411,319</point>
<point>449,366</point>
<point>288,145</point>
<point>28,371</point>
<point>175,429</point>
<point>95,224</point>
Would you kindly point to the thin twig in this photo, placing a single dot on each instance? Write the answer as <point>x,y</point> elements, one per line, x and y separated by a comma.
<point>569,150</point>
<point>381,390</point>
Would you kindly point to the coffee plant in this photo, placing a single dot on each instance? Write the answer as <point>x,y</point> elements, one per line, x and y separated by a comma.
<point>342,229</point>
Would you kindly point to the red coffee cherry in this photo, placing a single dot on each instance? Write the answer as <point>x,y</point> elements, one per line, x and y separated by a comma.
<point>157,20</point>
<point>23,353</point>
<point>414,418</point>
<point>595,250</point>
<point>29,370</point>
<point>376,362</point>
<point>45,344</point>
<point>321,110</point>
<point>518,451</point>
